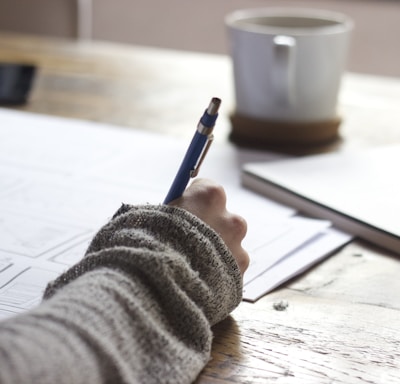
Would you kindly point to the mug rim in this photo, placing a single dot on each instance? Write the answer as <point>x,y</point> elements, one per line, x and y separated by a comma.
<point>236,20</point>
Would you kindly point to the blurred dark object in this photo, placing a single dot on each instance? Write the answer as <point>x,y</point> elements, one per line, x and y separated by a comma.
<point>15,83</point>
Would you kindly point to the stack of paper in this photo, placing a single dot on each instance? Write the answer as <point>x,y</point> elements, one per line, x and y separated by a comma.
<point>358,191</point>
<point>294,246</point>
<point>60,180</point>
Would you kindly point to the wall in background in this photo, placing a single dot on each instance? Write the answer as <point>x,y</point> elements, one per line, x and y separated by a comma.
<point>199,25</point>
<point>43,17</point>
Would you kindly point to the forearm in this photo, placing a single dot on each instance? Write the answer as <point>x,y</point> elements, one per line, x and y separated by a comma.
<point>138,308</point>
<point>105,337</point>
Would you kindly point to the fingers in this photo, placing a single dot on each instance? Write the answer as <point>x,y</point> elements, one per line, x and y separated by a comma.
<point>207,200</point>
<point>204,198</point>
<point>233,230</point>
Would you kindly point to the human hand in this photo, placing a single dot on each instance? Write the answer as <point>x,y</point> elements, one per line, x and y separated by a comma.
<point>207,200</point>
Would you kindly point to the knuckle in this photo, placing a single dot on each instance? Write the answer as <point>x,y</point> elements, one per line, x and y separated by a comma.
<point>214,194</point>
<point>244,262</point>
<point>238,225</point>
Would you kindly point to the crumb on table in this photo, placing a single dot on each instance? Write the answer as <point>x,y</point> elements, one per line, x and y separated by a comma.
<point>280,305</point>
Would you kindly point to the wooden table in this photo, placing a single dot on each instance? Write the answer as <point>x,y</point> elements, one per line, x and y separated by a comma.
<point>342,323</point>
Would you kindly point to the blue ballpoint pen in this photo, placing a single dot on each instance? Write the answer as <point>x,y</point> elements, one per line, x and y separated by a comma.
<point>196,152</point>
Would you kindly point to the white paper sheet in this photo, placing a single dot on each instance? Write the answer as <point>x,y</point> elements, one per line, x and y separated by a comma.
<point>277,239</point>
<point>61,179</point>
<point>295,262</point>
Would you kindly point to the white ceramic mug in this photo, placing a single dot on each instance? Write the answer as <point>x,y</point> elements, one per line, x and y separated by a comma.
<point>288,63</point>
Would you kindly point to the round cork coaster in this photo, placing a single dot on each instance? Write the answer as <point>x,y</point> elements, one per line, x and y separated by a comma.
<point>252,132</point>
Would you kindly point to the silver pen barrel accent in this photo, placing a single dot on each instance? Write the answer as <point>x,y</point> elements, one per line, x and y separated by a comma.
<point>207,121</point>
<point>214,106</point>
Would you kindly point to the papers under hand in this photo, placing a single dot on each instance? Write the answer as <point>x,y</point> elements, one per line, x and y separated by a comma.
<point>277,240</point>
<point>298,243</point>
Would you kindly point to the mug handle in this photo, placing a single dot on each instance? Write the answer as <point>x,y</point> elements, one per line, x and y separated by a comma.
<point>283,74</point>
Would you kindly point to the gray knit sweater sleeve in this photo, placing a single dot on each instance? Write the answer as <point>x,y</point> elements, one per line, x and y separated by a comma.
<point>138,308</point>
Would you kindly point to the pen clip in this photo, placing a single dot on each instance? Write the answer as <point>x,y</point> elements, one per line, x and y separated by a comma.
<point>195,171</point>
